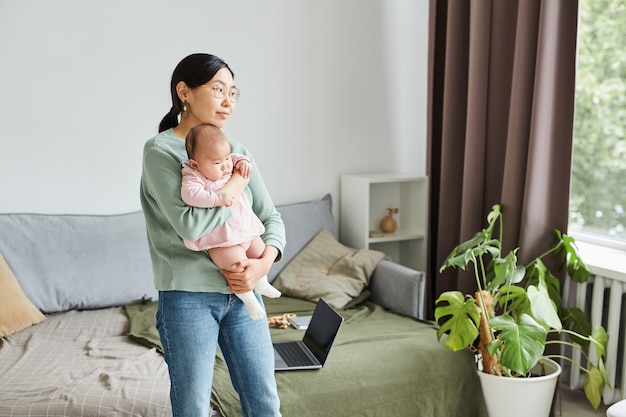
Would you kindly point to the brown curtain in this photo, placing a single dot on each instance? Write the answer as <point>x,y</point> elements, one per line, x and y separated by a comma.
<point>501,108</point>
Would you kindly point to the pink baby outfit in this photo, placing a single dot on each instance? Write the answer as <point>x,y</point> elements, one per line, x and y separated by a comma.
<point>242,227</point>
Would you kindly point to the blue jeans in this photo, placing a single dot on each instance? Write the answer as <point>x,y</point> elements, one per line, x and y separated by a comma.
<point>191,324</point>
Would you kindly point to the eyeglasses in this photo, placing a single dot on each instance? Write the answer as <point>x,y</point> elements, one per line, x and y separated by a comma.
<point>219,91</point>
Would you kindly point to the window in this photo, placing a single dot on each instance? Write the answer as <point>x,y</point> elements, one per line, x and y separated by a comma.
<point>598,190</point>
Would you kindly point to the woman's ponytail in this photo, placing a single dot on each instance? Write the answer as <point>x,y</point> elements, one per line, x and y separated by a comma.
<point>169,121</point>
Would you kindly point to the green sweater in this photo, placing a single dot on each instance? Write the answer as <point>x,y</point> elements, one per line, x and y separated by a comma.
<point>169,220</point>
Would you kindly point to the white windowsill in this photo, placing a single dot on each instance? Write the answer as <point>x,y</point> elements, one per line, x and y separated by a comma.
<point>603,260</point>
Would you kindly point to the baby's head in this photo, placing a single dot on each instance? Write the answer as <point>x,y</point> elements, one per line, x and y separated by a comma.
<point>209,151</point>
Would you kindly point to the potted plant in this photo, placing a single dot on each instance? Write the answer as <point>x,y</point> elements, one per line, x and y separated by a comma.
<point>508,320</point>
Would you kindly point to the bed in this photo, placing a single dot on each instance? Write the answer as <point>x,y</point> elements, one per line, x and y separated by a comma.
<point>91,354</point>
<point>382,364</point>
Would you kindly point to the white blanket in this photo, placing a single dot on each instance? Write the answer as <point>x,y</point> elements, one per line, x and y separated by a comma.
<point>81,363</point>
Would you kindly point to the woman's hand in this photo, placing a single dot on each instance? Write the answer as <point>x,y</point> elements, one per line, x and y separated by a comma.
<point>244,275</point>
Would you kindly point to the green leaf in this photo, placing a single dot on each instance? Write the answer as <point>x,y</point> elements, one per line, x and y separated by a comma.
<point>575,320</point>
<point>593,387</point>
<point>468,251</point>
<point>539,272</point>
<point>523,342</point>
<point>493,216</point>
<point>602,369</point>
<point>494,346</point>
<point>542,307</point>
<point>514,298</point>
<point>576,268</point>
<point>600,339</point>
<point>507,271</point>
<point>480,244</point>
<point>462,320</point>
<point>554,287</point>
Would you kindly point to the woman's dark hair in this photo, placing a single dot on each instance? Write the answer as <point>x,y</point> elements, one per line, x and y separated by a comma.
<point>194,70</point>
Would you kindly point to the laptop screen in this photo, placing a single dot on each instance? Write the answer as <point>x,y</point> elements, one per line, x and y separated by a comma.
<point>323,328</point>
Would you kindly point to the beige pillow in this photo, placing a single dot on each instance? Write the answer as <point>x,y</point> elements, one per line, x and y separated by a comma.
<point>326,269</point>
<point>16,310</point>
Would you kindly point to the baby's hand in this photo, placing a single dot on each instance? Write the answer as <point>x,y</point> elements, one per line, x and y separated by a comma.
<point>226,199</point>
<point>244,167</point>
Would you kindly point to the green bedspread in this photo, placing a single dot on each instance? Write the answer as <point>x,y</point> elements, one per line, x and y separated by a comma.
<point>382,365</point>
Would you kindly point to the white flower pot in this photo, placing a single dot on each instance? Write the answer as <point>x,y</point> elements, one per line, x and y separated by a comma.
<point>521,397</point>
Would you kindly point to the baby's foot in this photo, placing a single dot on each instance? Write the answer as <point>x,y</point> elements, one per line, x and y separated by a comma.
<point>269,291</point>
<point>263,287</point>
<point>253,306</point>
<point>256,312</point>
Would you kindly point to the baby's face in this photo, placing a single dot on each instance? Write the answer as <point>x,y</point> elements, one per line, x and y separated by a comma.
<point>214,161</point>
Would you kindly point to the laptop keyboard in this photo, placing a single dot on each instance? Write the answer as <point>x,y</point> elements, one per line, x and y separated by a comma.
<point>292,354</point>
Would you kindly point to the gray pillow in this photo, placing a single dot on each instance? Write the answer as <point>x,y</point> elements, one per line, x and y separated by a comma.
<point>65,262</point>
<point>302,222</point>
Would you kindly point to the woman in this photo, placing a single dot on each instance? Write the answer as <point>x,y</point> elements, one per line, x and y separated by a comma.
<point>197,307</point>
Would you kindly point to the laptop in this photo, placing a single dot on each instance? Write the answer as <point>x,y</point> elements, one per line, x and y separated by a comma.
<point>310,352</point>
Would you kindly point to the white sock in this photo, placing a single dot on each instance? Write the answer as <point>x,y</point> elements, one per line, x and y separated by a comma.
<point>263,287</point>
<point>252,305</point>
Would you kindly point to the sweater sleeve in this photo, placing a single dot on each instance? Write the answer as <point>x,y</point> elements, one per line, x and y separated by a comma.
<point>161,185</point>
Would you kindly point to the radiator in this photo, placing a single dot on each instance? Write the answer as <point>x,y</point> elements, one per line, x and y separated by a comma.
<point>602,298</point>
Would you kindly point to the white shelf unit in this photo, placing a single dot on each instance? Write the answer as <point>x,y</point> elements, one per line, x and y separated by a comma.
<point>365,199</point>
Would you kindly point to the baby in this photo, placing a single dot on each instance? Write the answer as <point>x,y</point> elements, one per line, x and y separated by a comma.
<point>210,166</point>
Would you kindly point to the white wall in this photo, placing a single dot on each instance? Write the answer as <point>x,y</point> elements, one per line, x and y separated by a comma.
<point>328,87</point>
